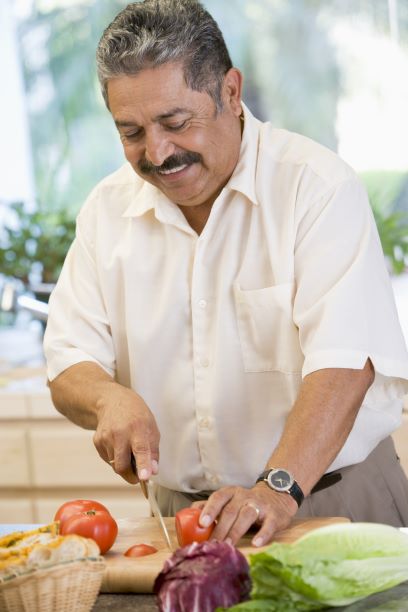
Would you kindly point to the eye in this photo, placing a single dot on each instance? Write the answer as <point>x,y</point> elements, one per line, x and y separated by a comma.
<point>132,135</point>
<point>174,127</point>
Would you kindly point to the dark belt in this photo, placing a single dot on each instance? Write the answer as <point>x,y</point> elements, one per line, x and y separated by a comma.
<point>327,480</point>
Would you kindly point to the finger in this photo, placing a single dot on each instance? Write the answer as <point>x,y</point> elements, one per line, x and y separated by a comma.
<point>259,514</point>
<point>104,450</point>
<point>155,466</point>
<point>247,516</point>
<point>225,522</point>
<point>121,463</point>
<point>214,504</point>
<point>126,474</point>
<point>225,519</point>
<point>199,504</point>
<point>154,456</point>
<point>265,534</point>
<point>144,462</point>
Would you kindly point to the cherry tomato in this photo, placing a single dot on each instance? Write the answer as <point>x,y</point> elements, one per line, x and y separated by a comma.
<point>96,524</point>
<point>75,506</point>
<point>188,529</point>
<point>140,550</point>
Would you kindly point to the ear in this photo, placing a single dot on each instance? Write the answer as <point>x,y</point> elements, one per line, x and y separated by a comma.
<point>232,90</point>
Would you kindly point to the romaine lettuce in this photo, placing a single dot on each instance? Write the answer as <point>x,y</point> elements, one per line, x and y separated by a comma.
<point>331,566</point>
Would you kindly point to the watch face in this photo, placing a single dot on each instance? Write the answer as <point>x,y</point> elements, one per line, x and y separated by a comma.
<point>281,480</point>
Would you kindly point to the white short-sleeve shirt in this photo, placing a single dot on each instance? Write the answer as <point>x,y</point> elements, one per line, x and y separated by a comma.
<point>216,331</point>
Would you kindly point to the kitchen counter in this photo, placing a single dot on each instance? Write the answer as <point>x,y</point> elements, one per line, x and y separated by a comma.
<point>128,602</point>
<point>393,600</point>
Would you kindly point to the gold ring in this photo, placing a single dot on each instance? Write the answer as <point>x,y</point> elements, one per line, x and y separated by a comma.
<point>111,461</point>
<point>257,510</point>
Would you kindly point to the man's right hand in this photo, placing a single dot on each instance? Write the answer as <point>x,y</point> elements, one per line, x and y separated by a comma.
<point>126,426</point>
<point>88,396</point>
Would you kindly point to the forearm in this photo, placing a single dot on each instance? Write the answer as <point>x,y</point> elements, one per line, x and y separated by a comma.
<point>320,422</point>
<point>79,391</point>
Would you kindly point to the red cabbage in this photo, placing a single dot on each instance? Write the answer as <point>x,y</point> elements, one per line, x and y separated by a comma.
<point>201,577</point>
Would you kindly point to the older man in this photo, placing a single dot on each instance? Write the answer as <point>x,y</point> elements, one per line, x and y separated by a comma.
<point>226,294</point>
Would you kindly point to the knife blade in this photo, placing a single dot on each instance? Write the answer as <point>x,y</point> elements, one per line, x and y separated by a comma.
<point>148,492</point>
<point>154,506</point>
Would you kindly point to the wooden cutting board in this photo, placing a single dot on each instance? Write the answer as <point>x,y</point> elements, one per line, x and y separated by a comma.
<point>137,575</point>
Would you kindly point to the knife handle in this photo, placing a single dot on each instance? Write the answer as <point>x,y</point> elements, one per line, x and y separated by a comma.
<point>133,463</point>
<point>143,484</point>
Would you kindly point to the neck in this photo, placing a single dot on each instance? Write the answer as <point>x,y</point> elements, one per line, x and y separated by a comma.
<point>197,216</point>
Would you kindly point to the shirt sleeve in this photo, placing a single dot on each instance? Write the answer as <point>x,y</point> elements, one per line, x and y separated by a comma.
<point>78,327</point>
<point>344,305</point>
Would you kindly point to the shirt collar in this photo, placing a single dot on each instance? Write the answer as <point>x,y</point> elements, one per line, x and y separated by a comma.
<point>243,178</point>
<point>148,197</point>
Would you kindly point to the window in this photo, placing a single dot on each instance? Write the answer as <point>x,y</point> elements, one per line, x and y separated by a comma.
<point>334,70</point>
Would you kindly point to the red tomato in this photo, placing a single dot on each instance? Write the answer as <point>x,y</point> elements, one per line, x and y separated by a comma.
<point>96,524</point>
<point>140,550</point>
<point>188,529</point>
<point>75,506</point>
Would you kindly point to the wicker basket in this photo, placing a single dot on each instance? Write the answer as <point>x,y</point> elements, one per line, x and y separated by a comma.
<point>68,587</point>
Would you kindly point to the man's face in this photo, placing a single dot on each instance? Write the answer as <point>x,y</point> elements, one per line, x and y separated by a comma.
<point>171,134</point>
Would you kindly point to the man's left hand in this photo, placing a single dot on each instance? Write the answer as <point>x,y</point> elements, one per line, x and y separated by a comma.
<point>235,509</point>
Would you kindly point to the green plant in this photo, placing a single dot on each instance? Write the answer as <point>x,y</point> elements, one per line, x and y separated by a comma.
<point>69,124</point>
<point>35,243</point>
<point>385,190</point>
<point>393,231</point>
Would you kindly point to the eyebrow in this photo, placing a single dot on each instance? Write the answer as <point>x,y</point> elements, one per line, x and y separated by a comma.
<point>174,111</point>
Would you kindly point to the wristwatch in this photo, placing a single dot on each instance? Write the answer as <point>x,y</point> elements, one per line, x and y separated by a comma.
<point>282,481</point>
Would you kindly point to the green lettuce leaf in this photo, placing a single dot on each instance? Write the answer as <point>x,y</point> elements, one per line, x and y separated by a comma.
<point>262,605</point>
<point>331,566</point>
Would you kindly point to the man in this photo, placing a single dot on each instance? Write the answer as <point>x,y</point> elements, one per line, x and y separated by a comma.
<point>226,295</point>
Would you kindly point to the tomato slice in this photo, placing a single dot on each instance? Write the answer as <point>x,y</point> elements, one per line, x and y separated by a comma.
<point>96,524</point>
<point>188,528</point>
<point>140,550</point>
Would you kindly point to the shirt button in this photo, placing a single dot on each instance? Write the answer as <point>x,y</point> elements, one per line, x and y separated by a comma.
<point>204,422</point>
<point>202,304</point>
<point>204,362</point>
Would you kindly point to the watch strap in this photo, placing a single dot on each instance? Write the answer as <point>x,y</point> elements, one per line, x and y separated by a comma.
<point>295,491</point>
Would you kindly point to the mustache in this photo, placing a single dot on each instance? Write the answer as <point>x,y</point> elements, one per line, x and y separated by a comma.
<point>174,161</point>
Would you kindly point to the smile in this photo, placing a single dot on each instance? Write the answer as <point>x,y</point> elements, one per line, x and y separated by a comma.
<point>173,170</point>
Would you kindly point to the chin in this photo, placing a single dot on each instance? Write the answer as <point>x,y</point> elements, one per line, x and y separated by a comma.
<point>184,196</point>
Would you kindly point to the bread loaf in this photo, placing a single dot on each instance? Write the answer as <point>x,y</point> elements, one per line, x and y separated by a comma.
<point>23,552</point>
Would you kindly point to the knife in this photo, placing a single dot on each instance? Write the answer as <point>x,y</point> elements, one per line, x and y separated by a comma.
<point>148,492</point>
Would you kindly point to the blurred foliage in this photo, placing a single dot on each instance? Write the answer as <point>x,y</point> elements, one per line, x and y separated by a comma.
<point>292,72</point>
<point>393,231</point>
<point>72,134</point>
<point>388,195</point>
<point>292,76</point>
<point>384,188</point>
<point>35,243</point>
<point>295,65</point>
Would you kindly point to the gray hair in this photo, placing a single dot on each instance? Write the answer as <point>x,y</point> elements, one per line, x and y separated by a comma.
<point>154,32</point>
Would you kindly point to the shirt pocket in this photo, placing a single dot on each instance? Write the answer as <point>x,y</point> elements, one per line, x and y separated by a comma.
<point>268,336</point>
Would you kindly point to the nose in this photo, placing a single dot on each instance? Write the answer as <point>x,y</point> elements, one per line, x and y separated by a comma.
<point>158,147</point>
